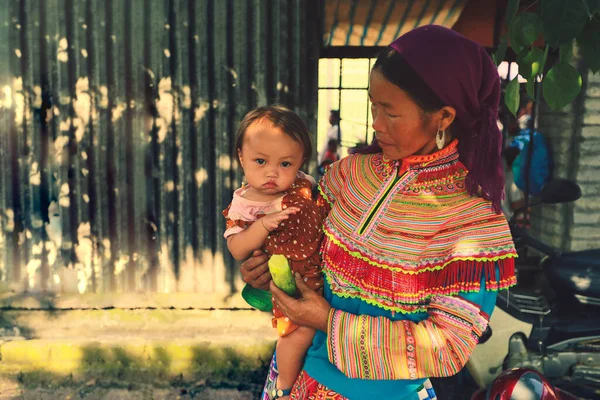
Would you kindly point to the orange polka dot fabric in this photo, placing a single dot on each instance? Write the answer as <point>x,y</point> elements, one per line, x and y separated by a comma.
<point>299,240</point>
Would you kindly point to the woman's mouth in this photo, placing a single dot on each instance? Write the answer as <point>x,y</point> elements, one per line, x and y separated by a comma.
<point>381,142</point>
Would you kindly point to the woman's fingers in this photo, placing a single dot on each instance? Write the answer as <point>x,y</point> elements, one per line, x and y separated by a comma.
<point>303,288</point>
<point>255,271</point>
<point>279,295</point>
<point>262,282</point>
<point>254,274</point>
<point>311,310</point>
<point>283,300</point>
<point>256,261</point>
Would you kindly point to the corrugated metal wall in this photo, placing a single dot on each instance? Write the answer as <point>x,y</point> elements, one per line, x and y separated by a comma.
<point>117,124</point>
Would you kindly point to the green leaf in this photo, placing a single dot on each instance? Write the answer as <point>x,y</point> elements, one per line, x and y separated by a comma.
<point>566,52</point>
<point>516,46</point>
<point>529,63</point>
<point>563,20</point>
<point>589,42</point>
<point>561,85</point>
<point>500,51</point>
<point>512,96</point>
<point>511,11</point>
<point>524,30</point>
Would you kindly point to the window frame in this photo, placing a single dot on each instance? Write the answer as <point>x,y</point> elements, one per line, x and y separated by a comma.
<point>349,52</point>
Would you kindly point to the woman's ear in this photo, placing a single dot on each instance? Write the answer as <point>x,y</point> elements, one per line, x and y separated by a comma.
<point>447,116</point>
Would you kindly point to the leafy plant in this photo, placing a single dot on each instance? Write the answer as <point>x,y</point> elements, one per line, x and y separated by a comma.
<point>558,23</point>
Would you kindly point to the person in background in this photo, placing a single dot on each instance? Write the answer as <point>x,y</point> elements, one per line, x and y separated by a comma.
<point>513,196</point>
<point>330,156</point>
<point>540,166</point>
<point>515,155</point>
<point>333,133</point>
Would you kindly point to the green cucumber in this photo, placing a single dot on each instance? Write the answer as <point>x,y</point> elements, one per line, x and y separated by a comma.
<point>282,274</point>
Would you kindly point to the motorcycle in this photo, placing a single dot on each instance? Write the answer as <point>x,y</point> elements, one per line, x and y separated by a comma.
<point>545,332</point>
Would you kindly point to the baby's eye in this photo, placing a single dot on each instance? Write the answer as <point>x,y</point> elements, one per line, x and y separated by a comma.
<point>286,164</point>
<point>260,161</point>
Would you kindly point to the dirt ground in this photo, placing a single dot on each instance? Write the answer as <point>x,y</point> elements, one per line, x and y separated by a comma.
<point>92,391</point>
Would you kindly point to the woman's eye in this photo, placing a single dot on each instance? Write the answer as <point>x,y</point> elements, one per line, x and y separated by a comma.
<point>260,161</point>
<point>286,164</point>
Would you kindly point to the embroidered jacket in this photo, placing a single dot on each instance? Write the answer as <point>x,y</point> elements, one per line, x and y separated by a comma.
<point>401,232</point>
<point>405,238</point>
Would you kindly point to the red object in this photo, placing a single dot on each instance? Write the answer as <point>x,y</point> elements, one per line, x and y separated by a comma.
<point>518,384</point>
<point>329,158</point>
<point>307,388</point>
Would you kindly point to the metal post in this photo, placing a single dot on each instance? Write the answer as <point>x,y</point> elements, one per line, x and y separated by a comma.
<point>534,112</point>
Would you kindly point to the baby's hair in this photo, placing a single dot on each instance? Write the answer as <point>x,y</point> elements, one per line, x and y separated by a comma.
<point>281,117</point>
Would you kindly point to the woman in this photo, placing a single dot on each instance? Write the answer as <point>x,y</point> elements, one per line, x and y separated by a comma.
<point>415,245</point>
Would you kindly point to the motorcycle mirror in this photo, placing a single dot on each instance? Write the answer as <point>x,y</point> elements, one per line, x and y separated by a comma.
<point>560,191</point>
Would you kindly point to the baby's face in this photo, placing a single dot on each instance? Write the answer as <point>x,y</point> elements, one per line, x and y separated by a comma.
<point>270,158</point>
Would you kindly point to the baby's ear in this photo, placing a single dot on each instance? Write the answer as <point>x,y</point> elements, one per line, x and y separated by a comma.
<point>239,154</point>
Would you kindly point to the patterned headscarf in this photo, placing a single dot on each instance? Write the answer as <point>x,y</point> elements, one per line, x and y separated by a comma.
<point>460,72</point>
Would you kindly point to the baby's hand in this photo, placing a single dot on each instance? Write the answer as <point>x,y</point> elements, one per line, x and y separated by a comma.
<point>271,221</point>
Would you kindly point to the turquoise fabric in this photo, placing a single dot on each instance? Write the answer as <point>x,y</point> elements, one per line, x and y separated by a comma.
<point>539,172</point>
<point>317,363</point>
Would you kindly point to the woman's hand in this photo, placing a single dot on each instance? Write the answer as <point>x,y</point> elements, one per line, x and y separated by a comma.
<point>310,309</point>
<point>255,270</point>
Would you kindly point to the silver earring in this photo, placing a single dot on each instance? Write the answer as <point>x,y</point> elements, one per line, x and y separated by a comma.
<point>440,139</point>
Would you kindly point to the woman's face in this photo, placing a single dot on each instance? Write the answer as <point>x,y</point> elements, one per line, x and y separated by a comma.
<point>402,128</point>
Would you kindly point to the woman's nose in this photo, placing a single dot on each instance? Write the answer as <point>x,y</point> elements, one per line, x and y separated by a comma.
<point>377,124</point>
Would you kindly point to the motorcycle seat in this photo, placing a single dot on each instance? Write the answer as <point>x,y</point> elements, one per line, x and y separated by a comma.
<point>577,272</point>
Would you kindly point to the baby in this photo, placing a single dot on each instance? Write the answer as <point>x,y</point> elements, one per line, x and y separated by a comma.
<point>275,212</point>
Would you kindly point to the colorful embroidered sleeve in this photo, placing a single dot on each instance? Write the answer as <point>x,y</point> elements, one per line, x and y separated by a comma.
<point>368,347</point>
<point>332,182</point>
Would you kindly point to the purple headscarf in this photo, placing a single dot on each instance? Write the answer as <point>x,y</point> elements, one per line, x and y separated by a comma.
<point>460,72</point>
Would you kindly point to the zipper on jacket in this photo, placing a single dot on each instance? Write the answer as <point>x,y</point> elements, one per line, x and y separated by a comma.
<point>380,201</point>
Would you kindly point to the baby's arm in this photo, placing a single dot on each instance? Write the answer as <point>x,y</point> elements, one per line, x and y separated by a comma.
<point>241,245</point>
